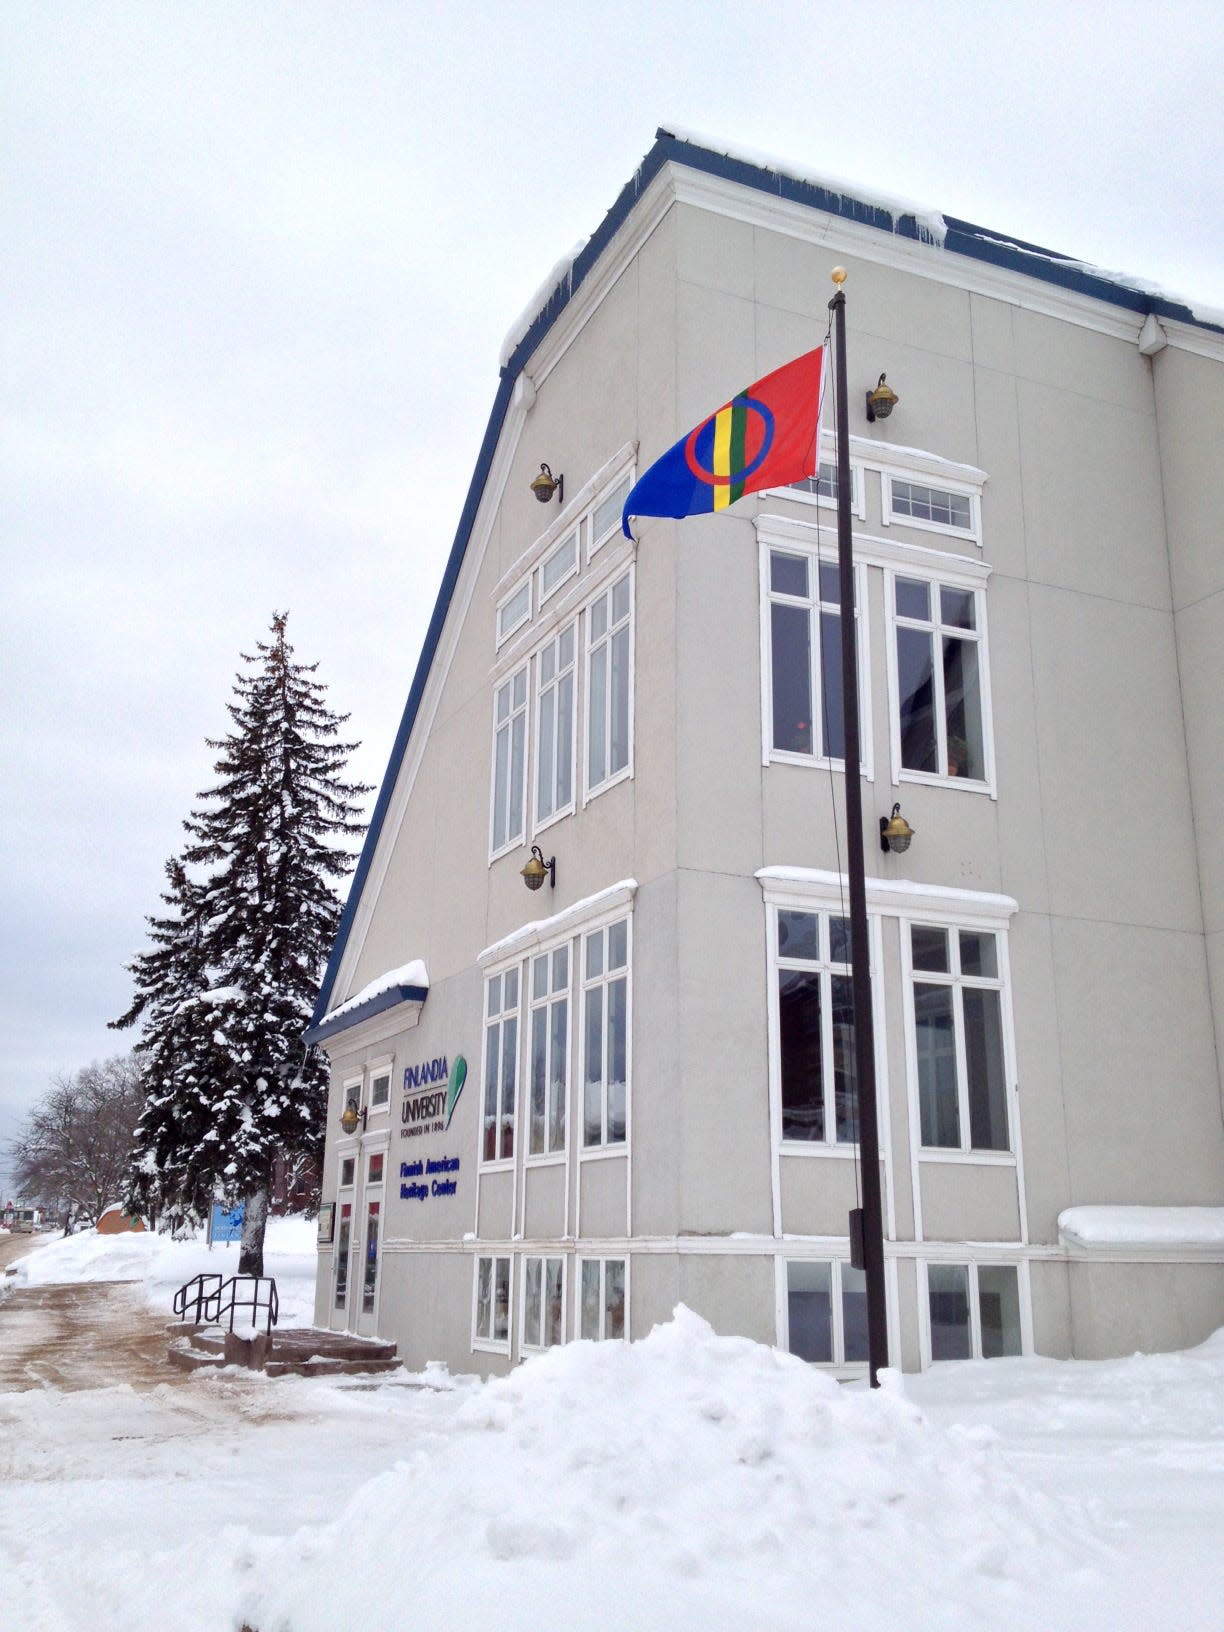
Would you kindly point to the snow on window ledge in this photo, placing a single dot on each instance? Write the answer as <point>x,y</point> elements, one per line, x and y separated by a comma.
<point>1166,1231</point>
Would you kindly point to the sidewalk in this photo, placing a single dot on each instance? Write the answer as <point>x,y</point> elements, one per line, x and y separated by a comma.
<point>79,1337</point>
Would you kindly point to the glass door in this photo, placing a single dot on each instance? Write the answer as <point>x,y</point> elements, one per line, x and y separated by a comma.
<point>365,1294</point>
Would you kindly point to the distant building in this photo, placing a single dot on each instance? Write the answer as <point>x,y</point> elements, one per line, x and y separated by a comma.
<point>658,1103</point>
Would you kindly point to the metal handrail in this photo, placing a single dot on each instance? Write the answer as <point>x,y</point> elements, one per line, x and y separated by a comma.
<point>196,1297</point>
<point>212,1304</point>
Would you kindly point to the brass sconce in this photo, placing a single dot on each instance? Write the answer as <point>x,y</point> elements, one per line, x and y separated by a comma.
<point>546,484</point>
<point>537,869</point>
<point>881,401</point>
<point>895,832</point>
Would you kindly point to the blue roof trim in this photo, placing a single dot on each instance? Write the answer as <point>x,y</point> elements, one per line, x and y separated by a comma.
<point>390,999</point>
<point>961,238</point>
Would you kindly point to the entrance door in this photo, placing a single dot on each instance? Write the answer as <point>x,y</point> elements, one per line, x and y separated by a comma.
<point>365,1291</point>
<point>342,1269</point>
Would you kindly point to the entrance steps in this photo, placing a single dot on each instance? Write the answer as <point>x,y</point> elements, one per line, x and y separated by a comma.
<point>298,1351</point>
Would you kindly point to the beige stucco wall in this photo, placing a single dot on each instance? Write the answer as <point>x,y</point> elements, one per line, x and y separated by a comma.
<point>1106,628</point>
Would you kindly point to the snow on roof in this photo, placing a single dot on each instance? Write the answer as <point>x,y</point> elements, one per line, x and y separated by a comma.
<point>539,928</point>
<point>1193,1227</point>
<point>408,974</point>
<point>560,274</point>
<point>931,223</point>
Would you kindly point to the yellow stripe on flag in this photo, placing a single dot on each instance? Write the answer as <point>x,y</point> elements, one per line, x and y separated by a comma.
<point>722,457</point>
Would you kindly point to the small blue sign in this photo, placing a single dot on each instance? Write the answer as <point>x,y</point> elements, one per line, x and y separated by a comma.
<point>226,1222</point>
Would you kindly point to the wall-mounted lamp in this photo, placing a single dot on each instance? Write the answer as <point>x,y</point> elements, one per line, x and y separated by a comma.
<point>352,1116</point>
<point>881,401</point>
<point>546,484</point>
<point>537,869</point>
<point>895,832</point>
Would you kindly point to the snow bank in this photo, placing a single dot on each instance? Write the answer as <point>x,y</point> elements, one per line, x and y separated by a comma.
<point>164,1264</point>
<point>686,1481</point>
<point>1199,1228</point>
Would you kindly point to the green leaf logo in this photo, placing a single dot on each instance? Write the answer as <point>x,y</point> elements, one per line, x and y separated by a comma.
<point>458,1077</point>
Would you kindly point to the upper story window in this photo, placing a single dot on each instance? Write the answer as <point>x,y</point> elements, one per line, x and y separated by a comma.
<point>606,516</point>
<point>558,565</point>
<point>501,1066</point>
<point>556,671</point>
<point>940,706</point>
<point>514,612</point>
<point>608,677</point>
<point>940,506</point>
<point>804,700</point>
<point>509,762</point>
<point>815,1049</point>
<point>822,488</point>
<point>380,1090</point>
<point>605,1022</point>
<point>956,995</point>
<point>550,985</point>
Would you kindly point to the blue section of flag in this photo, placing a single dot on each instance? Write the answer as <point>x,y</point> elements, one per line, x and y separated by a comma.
<point>669,488</point>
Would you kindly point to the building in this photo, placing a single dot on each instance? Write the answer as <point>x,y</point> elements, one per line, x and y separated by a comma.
<point>571,1110</point>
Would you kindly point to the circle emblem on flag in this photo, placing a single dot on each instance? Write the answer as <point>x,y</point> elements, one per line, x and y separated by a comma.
<point>758,435</point>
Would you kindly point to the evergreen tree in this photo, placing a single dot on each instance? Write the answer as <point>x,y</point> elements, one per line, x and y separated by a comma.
<point>228,987</point>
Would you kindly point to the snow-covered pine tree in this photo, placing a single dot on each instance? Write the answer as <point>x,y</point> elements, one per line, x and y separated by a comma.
<point>266,851</point>
<point>172,979</point>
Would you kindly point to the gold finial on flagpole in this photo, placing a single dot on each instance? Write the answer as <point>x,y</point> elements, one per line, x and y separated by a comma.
<point>838,275</point>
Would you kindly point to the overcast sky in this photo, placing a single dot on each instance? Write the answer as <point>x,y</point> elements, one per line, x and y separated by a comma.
<point>257,262</point>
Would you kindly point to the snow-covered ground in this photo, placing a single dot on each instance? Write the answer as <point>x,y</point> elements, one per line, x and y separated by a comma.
<point>686,1481</point>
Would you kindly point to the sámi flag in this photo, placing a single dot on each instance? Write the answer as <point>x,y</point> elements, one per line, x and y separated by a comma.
<point>767,436</point>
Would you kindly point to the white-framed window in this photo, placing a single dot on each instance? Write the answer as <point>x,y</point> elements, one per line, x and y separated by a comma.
<point>500,1066</point>
<point>376,1166</point>
<point>937,509</point>
<point>514,612</point>
<point>606,516</point>
<point>815,1026</point>
<point>508,820</point>
<point>556,684</point>
<point>543,1316</point>
<point>549,1050</point>
<point>974,1311</point>
<point>956,998</point>
<point>491,1304</point>
<point>380,1089</point>
<point>348,1168</point>
<point>344,1242</point>
<point>605,1035</point>
<point>825,1312</point>
<point>560,563</point>
<point>802,657</point>
<point>821,489</point>
<point>603,1298</point>
<point>609,685</point>
<point>941,705</point>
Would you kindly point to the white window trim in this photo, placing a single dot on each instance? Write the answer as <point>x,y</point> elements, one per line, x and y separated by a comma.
<point>499,1164</point>
<point>625,774</point>
<point>602,1259</point>
<point>501,636</point>
<point>585,498</point>
<point>580,530</point>
<point>839,1367</point>
<point>518,840</point>
<point>535,692</point>
<point>492,1345</point>
<point>543,1258</point>
<point>858,489</point>
<point>384,1065</point>
<point>604,1149</point>
<point>976,1256</point>
<point>954,579</point>
<point>964,1155</point>
<point>625,474</point>
<point>828,1146</point>
<point>548,1158</point>
<point>817,554</point>
<point>938,482</point>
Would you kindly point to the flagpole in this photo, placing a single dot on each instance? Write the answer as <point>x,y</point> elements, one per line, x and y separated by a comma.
<point>870,1219</point>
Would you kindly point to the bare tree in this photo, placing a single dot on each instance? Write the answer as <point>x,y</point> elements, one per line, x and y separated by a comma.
<point>75,1150</point>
